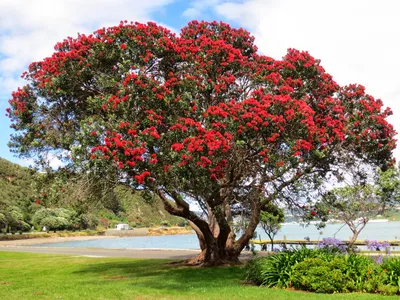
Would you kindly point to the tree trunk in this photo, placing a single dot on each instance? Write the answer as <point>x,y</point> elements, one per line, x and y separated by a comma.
<point>214,255</point>
<point>356,232</point>
<point>218,250</point>
<point>200,236</point>
<point>216,237</point>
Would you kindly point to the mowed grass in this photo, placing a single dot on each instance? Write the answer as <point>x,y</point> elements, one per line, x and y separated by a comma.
<point>38,276</point>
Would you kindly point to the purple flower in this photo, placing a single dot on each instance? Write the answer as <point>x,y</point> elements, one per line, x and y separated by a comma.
<point>332,244</point>
<point>378,246</point>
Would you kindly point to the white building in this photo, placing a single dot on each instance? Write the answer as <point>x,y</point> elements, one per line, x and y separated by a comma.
<point>122,227</point>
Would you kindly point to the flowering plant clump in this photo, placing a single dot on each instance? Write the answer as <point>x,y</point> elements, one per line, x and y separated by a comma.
<point>200,116</point>
<point>332,244</point>
<point>378,246</point>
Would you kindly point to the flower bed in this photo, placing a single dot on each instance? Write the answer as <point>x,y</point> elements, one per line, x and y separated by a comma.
<point>328,269</point>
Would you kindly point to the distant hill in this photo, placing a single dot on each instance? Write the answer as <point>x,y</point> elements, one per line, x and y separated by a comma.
<point>17,189</point>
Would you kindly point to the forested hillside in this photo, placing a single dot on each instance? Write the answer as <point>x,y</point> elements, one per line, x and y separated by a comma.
<point>28,198</point>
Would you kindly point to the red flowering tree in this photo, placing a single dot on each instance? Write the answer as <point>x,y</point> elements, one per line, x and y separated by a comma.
<point>197,117</point>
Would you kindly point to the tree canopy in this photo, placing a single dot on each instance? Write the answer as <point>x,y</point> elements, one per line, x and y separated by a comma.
<point>199,116</point>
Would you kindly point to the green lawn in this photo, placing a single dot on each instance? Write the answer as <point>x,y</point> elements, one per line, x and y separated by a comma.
<point>37,276</point>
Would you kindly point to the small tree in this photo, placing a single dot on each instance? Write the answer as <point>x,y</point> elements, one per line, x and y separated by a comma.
<point>358,203</point>
<point>15,220</point>
<point>271,220</point>
<point>3,221</point>
<point>355,206</point>
<point>55,223</point>
<point>41,214</point>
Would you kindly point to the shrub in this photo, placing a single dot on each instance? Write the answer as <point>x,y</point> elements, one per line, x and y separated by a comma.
<point>277,268</point>
<point>3,221</point>
<point>325,271</point>
<point>40,215</point>
<point>87,221</point>
<point>254,269</point>
<point>316,275</point>
<point>376,282</point>
<point>391,266</point>
<point>55,223</point>
<point>22,226</point>
<point>165,223</point>
<point>358,268</point>
<point>103,222</point>
<point>341,273</point>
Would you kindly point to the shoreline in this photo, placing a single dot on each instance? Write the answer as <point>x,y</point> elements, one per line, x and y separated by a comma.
<point>51,240</point>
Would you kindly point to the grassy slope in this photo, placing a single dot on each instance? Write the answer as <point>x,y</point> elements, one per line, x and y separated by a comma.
<point>15,182</point>
<point>16,189</point>
<point>37,276</point>
<point>147,214</point>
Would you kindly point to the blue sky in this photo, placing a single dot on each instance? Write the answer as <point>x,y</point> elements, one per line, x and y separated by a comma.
<point>356,40</point>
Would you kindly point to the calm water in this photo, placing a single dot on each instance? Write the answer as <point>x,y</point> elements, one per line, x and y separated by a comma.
<point>373,231</point>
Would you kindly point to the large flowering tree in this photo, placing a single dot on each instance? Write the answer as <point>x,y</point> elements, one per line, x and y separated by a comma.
<point>196,117</point>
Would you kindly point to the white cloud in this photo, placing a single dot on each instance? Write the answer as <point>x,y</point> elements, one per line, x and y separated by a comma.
<point>197,8</point>
<point>191,13</point>
<point>30,29</point>
<point>51,159</point>
<point>26,162</point>
<point>356,40</point>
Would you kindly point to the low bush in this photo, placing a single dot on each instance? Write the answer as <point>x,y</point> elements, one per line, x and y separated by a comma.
<point>254,270</point>
<point>358,268</point>
<point>342,273</point>
<point>391,267</point>
<point>325,271</point>
<point>316,275</point>
<point>277,269</point>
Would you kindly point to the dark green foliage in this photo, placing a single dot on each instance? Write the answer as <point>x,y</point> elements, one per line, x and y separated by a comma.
<point>324,271</point>
<point>342,273</point>
<point>277,269</point>
<point>316,275</point>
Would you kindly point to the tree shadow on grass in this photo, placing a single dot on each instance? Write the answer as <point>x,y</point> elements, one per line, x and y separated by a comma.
<point>157,274</point>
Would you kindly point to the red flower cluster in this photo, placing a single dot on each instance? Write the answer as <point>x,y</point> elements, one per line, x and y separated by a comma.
<point>201,103</point>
